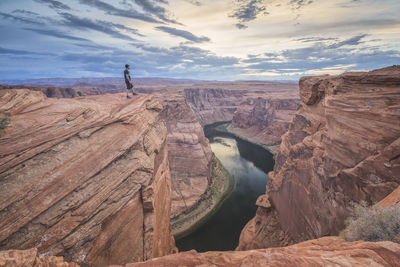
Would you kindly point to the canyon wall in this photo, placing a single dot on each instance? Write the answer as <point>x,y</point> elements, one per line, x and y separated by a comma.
<point>342,146</point>
<point>263,120</point>
<point>86,178</point>
<point>189,153</point>
<point>260,115</point>
<point>213,105</point>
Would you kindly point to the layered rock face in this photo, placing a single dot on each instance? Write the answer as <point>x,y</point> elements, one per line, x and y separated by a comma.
<point>327,251</point>
<point>86,178</point>
<point>260,113</point>
<point>264,120</point>
<point>342,146</point>
<point>213,105</point>
<point>189,153</point>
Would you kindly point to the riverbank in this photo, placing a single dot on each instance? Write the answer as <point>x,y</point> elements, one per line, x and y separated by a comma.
<point>221,184</point>
<point>249,137</point>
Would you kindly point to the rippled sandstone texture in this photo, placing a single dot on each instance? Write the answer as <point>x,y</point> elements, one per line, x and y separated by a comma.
<point>327,251</point>
<point>342,146</point>
<point>86,178</point>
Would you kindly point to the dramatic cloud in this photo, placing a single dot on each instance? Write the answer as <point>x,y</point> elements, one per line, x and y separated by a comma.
<point>151,7</point>
<point>98,25</point>
<point>197,38</point>
<point>112,10</point>
<point>54,4</point>
<point>184,34</point>
<point>56,34</point>
<point>19,19</point>
<point>320,58</point>
<point>247,10</point>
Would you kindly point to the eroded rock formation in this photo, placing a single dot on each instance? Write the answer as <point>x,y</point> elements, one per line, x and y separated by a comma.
<point>264,120</point>
<point>342,146</point>
<point>87,178</point>
<point>327,251</point>
<point>189,153</point>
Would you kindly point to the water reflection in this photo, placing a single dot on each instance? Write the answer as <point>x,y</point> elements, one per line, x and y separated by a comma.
<point>247,164</point>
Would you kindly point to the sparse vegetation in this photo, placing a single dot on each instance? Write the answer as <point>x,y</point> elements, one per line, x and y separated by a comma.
<point>373,223</point>
<point>4,122</point>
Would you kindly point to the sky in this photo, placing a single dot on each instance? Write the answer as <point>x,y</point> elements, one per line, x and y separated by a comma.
<point>196,39</point>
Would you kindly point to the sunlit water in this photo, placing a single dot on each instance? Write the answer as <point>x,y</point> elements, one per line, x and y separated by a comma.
<point>247,164</point>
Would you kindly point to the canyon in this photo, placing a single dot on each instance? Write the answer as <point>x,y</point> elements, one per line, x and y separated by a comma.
<point>342,147</point>
<point>114,171</point>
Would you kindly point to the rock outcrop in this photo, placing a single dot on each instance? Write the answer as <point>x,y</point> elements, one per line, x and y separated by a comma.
<point>213,105</point>
<point>264,120</point>
<point>327,251</point>
<point>392,199</point>
<point>85,178</point>
<point>30,258</point>
<point>189,153</point>
<point>342,146</point>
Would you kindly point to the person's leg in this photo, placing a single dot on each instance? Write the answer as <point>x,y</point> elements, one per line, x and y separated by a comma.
<point>127,90</point>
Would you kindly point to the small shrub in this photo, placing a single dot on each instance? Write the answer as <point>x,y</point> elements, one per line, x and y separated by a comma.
<point>374,223</point>
<point>4,123</point>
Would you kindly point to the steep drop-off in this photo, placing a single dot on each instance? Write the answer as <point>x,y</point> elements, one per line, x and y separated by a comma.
<point>189,153</point>
<point>342,146</point>
<point>260,115</point>
<point>264,120</point>
<point>86,178</point>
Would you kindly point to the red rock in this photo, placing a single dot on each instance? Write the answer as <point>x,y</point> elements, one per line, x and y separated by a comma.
<point>86,178</point>
<point>342,146</point>
<point>189,153</point>
<point>391,199</point>
<point>29,258</point>
<point>327,251</point>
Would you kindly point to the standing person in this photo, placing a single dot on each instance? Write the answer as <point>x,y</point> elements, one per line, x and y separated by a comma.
<point>128,81</point>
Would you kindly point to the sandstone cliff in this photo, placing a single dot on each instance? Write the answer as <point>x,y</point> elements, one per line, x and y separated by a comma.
<point>342,146</point>
<point>86,178</point>
<point>263,120</point>
<point>189,153</point>
<point>327,251</point>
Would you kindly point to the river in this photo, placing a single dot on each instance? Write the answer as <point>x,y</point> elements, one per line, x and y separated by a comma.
<point>248,165</point>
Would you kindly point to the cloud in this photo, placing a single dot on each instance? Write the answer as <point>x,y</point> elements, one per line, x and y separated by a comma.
<point>25,12</point>
<point>56,34</point>
<point>321,58</point>
<point>151,7</point>
<point>300,3</point>
<point>247,10</point>
<point>157,61</point>
<point>352,41</point>
<point>112,10</point>
<point>315,39</point>
<point>194,2</point>
<point>106,27</point>
<point>7,51</point>
<point>19,19</point>
<point>54,4</point>
<point>184,34</point>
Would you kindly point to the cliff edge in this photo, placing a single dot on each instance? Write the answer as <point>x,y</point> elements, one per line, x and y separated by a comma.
<point>85,178</point>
